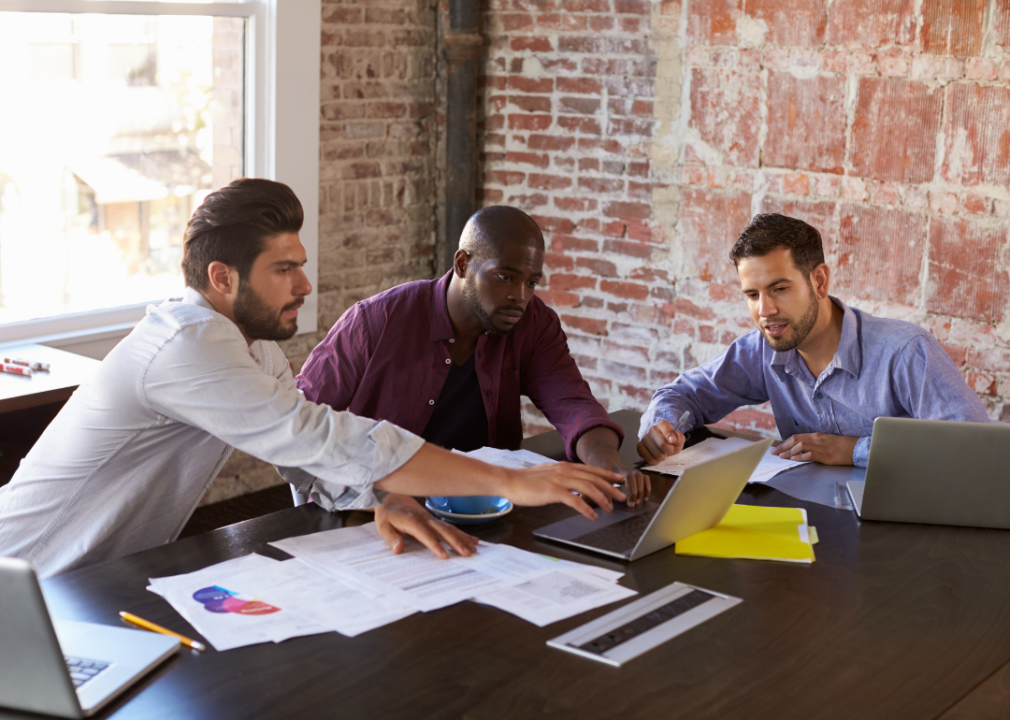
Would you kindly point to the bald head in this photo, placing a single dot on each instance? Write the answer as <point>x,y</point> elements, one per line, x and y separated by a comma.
<point>490,230</point>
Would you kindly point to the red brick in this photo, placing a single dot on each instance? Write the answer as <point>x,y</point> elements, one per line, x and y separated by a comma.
<point>871,23</point>
<point>564,243</point>
<point>601,185</point>
<point>649,274</point>
<point>989,359</point>
<point>601,23</point>
<point>818,214</point>
<point>748,419</point>
<point>583,106</point>
<point>973,205</point>
<point>977,135</point>
<point>564,21</point>
<point>533,44</point>
<point>558,298</point>
<point>957,354</point>
<point>628,210</point>
<point>579,85</point>
<point>540,161</point>
<point>632,7</point>
<point>589,164</point>
<point>710,222</point>
<point>966,270</point>
<point>631,127</point>
<point>623,247</point>
<point>557,261</point>
<point>530,122</point>
<point>490,196</point>
<point>886,193</point>
<point>549,142</point>
<point>553,224</point>
<point>713,22</point>
<point>583,6</point>
<point>893,63</point>
<point>614,228</point>
<point>559,281</point>
<point>943,202</point>
<point>503,177</point>
<point>640,191</point>
<point>952,27</point>
<point>528,202</point>
<point>854,188</point>
<point>806,123</point>
<point>511,22</point>
<point>790,22</point>
<point>884,104</point>
<point>726,112</point>
<point>603,268</point>
<point>981,69</point>
<point>632,291</point>
<point>796,183</point>
<point>982,383</point>
<point>592,326</point>
<point>587,126</point>
<point>638,231</point>
<point>531,85</point>
<point>880,254</point>
<point>693,175</point>
<point>630,24</point>
<point>575,204</point>
<point>527,103</point>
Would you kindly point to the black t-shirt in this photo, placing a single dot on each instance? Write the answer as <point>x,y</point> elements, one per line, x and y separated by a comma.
<point>458,421</point>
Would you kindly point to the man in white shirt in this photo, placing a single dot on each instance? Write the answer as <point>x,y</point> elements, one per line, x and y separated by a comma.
<point>125,463</point>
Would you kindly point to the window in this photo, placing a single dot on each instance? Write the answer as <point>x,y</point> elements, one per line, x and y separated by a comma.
<point>126,118</point>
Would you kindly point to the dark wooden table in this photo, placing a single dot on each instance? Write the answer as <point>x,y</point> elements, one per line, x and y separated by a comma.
<point>67,371</point>
<point>891,621</point>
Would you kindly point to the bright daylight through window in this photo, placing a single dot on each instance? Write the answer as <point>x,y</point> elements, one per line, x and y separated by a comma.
<point>114,128</point>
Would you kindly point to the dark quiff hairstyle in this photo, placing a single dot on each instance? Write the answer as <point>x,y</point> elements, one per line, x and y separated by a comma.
<point>771,231</point>
<point>492,228</point>
<point>233,224</point>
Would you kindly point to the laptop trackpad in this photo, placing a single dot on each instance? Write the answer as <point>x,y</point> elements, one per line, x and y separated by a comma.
<point>575,527</point>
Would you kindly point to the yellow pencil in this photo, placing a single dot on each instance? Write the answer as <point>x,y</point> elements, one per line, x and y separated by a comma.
<point>148,625</point>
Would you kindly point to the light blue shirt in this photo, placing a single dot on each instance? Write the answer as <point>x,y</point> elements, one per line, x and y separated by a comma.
<point>882,368</point>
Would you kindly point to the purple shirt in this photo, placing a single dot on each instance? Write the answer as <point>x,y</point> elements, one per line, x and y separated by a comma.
<point>388,357</point>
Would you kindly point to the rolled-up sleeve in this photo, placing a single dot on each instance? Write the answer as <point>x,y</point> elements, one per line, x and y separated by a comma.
<point>213,382</point>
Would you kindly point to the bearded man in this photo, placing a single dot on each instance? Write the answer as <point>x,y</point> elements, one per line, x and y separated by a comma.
<point>829,370</point>
<point>449,358</point>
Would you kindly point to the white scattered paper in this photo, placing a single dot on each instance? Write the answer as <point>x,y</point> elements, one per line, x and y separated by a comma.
<point>711,448</point>
<point>300,588</point>
<point>416,576</point>
<point>556,595</point>
<point>515,459</point>
<point>226,617</point>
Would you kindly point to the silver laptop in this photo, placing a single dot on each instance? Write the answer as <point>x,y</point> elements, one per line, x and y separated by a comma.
<point>937,472</point>
<point>68,669</point>
<point>699,500</point>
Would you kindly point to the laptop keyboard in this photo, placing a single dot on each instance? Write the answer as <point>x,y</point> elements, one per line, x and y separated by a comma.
<point>82,669</point>
<point>619,537</point>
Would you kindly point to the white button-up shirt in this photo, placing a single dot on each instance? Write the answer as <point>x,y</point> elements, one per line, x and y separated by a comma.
<point>127,460</point>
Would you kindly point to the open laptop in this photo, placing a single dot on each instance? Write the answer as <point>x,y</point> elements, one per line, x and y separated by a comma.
<point>699,500</point>
<point>937,472</point>
<point>73,669</point>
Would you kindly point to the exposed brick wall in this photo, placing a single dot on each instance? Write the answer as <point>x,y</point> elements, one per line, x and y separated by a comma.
<point>377,173</point>
<point>644,135</point>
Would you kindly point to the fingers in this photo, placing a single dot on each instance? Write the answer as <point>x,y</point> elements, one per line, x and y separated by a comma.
<point>660,443</point>
<point>420,531</point>
<point>389,533</point>
<point>787,444</point>
<point>639,488</point>
<point>458,540</point>
<point>578,504</point>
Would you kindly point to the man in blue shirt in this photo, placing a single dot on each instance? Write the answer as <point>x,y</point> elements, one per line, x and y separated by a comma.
<point>829,370</point>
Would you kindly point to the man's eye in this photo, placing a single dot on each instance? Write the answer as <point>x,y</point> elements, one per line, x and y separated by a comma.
<point>532,283</point>
<point>504,278</point>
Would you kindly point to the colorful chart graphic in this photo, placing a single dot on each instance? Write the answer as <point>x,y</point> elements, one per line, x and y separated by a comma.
<point>218,600</point>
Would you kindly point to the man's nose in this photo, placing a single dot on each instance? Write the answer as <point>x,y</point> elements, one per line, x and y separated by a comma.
<point>766,307</point>
<point>303,286</point>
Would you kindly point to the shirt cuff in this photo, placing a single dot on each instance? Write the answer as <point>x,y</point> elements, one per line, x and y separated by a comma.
<point>861,453</point>
<point>669,413</point>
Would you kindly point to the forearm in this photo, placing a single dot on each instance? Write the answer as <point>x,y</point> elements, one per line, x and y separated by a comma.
<point>600,447</point>
<point>434,471</point>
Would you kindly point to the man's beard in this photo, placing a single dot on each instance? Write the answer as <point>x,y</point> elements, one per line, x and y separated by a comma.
<point>800,329</point>
<point>472,299</point>
<point>257,320</point>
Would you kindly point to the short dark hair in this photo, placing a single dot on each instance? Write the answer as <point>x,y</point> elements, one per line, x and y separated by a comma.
<point>492,228</point>
<point>232,225</point>
<point>771,231</point>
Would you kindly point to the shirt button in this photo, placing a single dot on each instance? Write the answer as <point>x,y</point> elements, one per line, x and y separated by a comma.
<point>431,402</point>
<point>820,396</point>
<point>452,340</point>
<point>447,361</point>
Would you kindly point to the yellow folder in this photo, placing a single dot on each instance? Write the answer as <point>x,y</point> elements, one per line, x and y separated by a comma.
<point>756,533</point>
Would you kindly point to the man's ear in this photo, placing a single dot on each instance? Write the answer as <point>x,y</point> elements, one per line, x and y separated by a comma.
<point>223,278</point>
<point>460,263</point>
<point>820,279</point>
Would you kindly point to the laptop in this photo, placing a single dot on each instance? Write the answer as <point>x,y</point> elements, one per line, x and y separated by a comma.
<point>62,668</point>
<point>697,501</point>
<point>937,472</point>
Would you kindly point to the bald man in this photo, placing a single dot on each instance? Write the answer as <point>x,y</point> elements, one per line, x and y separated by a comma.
<point>448,359</point>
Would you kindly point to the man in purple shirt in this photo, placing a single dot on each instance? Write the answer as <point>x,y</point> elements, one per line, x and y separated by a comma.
<point>449,358</point>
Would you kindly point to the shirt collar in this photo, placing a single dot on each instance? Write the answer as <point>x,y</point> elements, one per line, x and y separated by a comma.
<point>441,327</point>
<point>848,355</point>
<point>195,297</point>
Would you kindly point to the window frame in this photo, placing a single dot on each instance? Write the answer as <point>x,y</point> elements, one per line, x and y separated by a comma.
<point>281,138</point>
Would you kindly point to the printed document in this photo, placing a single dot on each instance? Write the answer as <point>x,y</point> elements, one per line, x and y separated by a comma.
<point>516,459</point>
<point>711,448</point>
<point>556,595</point>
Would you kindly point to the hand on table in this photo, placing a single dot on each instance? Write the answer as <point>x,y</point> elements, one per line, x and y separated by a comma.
<point>401,514</point>
<point>638,484</point>
<point>817,447</point>
<point>660,443</point>
<point>556,482</point>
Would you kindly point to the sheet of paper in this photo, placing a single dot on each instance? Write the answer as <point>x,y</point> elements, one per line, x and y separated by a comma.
<point>516,459</point>
<point>556,595</point>
<point>416,577</point>
<point>707,449</point>
<point>772,465</point>
<point>300,588</point>
<point>226,617</point>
